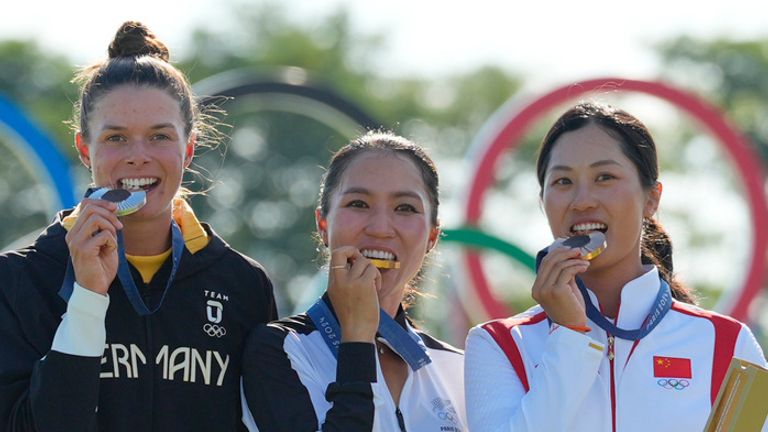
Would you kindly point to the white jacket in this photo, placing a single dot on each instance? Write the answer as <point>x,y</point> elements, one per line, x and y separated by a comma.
<point>562,380</point>
<point>292,382</point>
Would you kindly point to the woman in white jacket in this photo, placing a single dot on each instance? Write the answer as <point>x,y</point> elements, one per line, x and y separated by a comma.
<point>614,343</point>
<point>354,361</point>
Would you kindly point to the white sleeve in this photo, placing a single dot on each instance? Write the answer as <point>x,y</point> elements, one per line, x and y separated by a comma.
<point>748,349</point>
<point>496,399</point>
<point>248,420</point>
<point>82,331</point>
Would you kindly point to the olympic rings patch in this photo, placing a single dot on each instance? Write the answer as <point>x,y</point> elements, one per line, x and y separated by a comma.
<point>677,384</point>
<point>214,330</point>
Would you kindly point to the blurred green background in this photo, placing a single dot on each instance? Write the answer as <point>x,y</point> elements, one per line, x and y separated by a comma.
<point>261,183</point>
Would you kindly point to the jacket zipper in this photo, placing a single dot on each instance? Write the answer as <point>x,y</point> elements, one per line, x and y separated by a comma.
<point>400,420</point>
<point>611,356</point>
<point>150,398</point>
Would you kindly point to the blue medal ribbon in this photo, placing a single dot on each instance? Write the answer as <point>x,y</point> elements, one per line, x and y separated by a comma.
<point>661,305</point>
<point>406,344</point>
<point>124,273</point>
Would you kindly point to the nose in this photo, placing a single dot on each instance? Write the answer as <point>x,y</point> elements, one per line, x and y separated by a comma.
<point>584,197</point>
<point>380,224</point>
<point>137,152</point>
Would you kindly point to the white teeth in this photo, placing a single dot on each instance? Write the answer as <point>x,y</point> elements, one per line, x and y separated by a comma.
<point>378,254</point>
<point>137,183</point>
<point>589,227</point>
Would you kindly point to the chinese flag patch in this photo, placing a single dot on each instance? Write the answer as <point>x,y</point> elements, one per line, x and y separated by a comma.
<point>671,367</point>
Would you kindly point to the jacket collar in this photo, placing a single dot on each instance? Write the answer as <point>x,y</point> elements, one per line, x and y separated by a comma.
<point>52,244</point>
<point>637,297</point>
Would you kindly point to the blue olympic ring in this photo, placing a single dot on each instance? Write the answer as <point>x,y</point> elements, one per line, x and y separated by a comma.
<point>677,384</point>
<point>36,146</point>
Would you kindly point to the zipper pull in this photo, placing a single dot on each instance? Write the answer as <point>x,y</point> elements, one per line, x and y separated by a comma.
<point>611,354</point>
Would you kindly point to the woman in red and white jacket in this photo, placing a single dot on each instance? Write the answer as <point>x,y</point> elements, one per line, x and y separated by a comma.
<point>615,344</point>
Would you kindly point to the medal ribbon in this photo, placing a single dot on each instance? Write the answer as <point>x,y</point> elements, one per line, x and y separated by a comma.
<point>403,342</point>
<point>124,273</point>
<point>661,306</point>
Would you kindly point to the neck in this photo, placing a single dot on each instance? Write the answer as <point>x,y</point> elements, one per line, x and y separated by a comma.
<point>147,236</point>
<point>607,284</point>
<point>391,303</point>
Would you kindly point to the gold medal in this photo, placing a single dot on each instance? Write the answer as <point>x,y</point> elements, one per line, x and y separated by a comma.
<point>385,264</point>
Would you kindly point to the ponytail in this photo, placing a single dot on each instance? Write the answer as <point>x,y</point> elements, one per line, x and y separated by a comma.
<point>656,249</point>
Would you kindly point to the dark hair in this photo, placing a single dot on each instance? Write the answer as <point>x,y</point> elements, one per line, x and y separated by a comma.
<point>385,142</point>
<point>639,147</point>
<point>137,57</point>
<point>379,141</point>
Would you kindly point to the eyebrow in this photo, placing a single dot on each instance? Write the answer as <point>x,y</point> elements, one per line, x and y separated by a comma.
<point>154,127</point>
<point>398,194</point>
<point>597,164</point>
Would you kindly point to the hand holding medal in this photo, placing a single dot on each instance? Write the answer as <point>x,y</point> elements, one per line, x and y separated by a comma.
<point>352,287</point>
<point>92,241</point>
<point>555,288</point>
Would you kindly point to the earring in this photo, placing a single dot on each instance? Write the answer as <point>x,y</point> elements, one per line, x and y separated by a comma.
<point>321,227</point>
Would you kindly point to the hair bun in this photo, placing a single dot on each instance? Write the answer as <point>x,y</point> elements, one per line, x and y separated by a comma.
<point>134,39</point>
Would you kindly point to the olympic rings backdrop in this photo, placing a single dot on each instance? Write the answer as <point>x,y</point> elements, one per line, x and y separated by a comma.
<point>509,124</point>
<point>501,134</point>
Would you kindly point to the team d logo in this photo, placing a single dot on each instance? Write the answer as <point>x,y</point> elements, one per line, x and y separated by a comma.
<point>214,312</point>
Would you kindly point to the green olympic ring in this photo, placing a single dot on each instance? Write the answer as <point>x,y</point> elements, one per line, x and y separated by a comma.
<point>475,237</point>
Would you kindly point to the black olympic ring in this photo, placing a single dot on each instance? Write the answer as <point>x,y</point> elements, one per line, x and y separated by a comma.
<point>214,330</point>
<point>673,383</point>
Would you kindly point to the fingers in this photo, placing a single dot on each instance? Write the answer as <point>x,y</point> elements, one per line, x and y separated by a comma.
<point>92,244</point>
<point>352,285</point>
<point>94,216</point>
<point>342,257</point>
<point>554,263</point>
<point>371,275</point>
<point>347,260</point>
<point>566,271</point>
<point>104,240</point>
<point>554,288</point>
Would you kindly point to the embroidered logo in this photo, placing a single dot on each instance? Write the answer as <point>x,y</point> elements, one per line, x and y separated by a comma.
<point>214,330</point>
<point>674,372</point>
<point>214,312</point>
<point>672,383</point>
<point>444,410</point>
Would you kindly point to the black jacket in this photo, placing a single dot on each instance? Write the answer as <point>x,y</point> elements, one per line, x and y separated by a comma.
<point>175,370</point>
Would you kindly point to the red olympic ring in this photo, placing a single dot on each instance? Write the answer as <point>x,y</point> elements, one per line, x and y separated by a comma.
<point>519,120</point>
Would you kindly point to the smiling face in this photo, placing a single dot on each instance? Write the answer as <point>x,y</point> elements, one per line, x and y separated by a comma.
<point>382,208</point>
<point>137,141</point>
<point>590,184</point>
